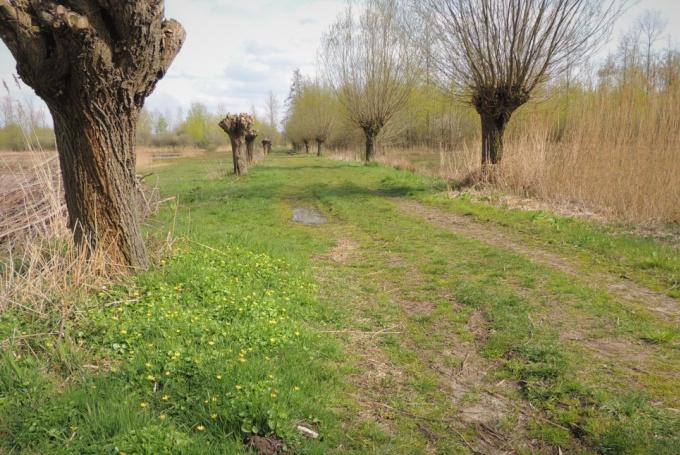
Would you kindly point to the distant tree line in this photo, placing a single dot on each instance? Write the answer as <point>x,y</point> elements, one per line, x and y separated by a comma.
<point>23,127</point>
<point>197,128</point>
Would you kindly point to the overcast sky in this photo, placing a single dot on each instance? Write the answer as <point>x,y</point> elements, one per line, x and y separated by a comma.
<point>237,51</point>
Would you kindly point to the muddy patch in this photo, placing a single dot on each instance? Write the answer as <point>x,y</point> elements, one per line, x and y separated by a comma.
<point>266,445</point>
<point>308,216</point>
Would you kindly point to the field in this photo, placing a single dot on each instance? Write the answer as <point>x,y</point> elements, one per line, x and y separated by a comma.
<point>413,320</point>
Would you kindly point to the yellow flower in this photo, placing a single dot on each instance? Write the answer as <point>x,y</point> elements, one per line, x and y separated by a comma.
<point>219,376</point>
<point>163,417</point>
<point>242,359</point>
<point>144,405</point>
<point>200,428</point>
<point>296,388</point>
<point>273,395</point>
<point>214,416</point>
<point>165,397</point>
<point>123,332</point>
<point>211,343</point>
<point>238,387</point>
<point>148,365</point>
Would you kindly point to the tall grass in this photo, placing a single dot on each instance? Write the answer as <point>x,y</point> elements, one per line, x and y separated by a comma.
<point>44,275</point>
<point>615,152</point>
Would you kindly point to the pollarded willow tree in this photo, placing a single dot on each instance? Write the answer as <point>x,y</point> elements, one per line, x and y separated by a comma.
<point>237,127</point>
<point>94,62</point>
<point>266,146</point>
<point>496,52</point>
<point>251,135</point>
<point>370,65</point>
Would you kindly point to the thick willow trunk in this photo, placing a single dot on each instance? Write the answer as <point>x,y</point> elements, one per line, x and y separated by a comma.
<point>97,156</point>
<point>94,63</point>
<point>319,147</point>
<point>493,129</point>
<point>306,146</point>
<point>238,155</point>
<point>370,147</point>
<point>250,151</point>
<point>250,145</point>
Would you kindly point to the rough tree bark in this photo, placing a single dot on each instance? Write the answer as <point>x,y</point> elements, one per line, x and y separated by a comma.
<point>306,142</point>
<point>236,126</point>
<point>250,145</point>
<point>94,62</point>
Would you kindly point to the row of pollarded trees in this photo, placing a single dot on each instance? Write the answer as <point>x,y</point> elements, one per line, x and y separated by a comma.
<point>313,114</point>
<point>493,54</point>
<point>242,133</point>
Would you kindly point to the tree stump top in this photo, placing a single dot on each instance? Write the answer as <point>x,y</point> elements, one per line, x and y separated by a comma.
<point>237,125</point>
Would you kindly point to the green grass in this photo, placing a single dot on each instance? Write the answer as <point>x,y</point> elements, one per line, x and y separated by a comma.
<point>609,248</point>
<point>250,328</point>
<point>193,357</point>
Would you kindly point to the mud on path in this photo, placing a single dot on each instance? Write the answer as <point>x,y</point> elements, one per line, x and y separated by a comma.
<point>666,307</point>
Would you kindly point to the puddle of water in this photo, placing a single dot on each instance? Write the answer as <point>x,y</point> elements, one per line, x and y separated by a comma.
<point>309,216</point>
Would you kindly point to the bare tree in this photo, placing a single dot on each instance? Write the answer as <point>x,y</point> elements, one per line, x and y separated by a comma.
<point>651,25</point>
<point>237,126</point>
<point>369,65</point>
<point>94,62</point>
<point>496,52</point>
<point>273,107</point>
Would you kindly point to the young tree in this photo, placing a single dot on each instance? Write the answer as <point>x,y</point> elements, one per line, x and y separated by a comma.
<point>236,126</point>
<point>651,25</point>
<point>370,66</point>
<point>496,52</point>
<point>94,63</point>
<point>144,128</point>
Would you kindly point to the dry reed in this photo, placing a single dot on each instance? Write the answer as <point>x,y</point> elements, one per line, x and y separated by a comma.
<point>44,275</point>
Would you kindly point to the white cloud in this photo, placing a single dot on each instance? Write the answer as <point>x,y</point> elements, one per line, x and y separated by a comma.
<point>237,51</point>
